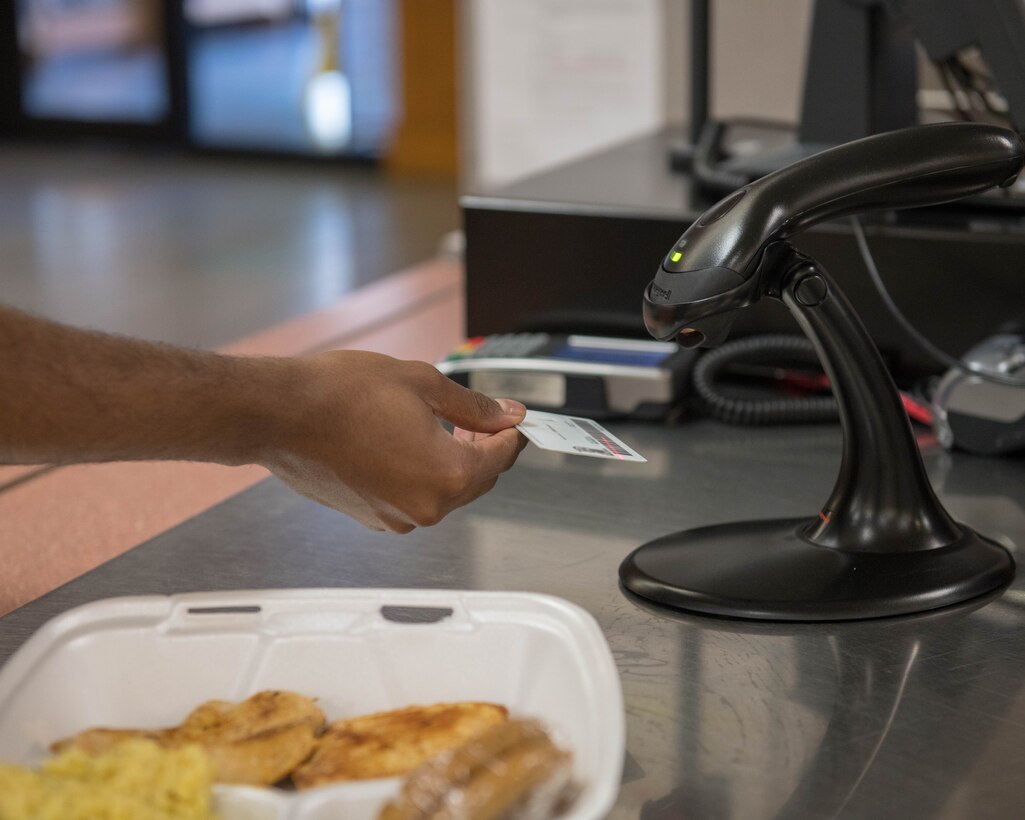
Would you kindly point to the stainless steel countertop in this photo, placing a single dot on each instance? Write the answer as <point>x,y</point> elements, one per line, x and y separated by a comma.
<point>918,717</point>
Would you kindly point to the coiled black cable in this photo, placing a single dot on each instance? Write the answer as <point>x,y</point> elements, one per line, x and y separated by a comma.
<point>775,350</point>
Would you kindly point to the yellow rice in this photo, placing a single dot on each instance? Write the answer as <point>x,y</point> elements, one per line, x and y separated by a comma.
<point>136,780</point>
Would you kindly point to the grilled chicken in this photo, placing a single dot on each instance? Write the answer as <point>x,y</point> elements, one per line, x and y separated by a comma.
<point>505,772</point>
<point>98,741</point>
<point>258,741</point>
<point>384,744</point>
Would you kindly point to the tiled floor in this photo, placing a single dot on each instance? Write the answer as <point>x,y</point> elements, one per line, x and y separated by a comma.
<point>192,250</point>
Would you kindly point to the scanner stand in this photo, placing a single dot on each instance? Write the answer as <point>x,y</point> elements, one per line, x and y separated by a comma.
<point>881,545</point>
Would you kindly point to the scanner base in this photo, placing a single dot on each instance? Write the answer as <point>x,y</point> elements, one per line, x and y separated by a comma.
<point>768,570</point>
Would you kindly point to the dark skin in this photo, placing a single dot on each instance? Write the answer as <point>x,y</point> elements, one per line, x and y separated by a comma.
<point>356,431</point>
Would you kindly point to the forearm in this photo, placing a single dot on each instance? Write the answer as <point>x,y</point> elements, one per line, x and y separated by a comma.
<point>356,431</point>
<point>68,395</point>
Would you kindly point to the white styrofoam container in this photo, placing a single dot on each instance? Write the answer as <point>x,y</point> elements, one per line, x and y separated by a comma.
<point>146,661</point>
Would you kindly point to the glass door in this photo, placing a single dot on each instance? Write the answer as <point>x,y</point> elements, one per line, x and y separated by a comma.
<point>313,77</point>
<point>91,63</point>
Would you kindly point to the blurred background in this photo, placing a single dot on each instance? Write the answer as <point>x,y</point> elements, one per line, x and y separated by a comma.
<point>196,170</point>
<point>524,84</point>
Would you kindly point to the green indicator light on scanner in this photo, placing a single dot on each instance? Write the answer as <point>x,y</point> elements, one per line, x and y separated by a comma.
<point>677,256</point>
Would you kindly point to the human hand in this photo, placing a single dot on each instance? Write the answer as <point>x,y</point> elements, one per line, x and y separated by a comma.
<point>364,438</point>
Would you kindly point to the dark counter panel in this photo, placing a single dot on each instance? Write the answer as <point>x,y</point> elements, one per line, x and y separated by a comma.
<point>532,250</point>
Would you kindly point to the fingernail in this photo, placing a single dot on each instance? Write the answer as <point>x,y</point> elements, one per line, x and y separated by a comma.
<point>511,407</point>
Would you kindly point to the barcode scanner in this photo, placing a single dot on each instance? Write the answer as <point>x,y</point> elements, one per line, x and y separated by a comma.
<point>882,544</point>
<point>716,266</point>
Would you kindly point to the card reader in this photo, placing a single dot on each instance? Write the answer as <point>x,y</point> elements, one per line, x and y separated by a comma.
<point>594,376</point>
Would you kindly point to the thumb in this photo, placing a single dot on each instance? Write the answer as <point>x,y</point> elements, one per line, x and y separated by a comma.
<point>474,411</point>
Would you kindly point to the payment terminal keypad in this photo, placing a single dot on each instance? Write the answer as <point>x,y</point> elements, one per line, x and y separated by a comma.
<point>501,346</point>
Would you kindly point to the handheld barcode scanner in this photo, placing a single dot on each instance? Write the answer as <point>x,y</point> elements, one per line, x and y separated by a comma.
<point>882,544</point>
<point>719,265</point>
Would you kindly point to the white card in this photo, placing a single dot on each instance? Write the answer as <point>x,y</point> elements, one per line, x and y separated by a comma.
<point>578,436</point>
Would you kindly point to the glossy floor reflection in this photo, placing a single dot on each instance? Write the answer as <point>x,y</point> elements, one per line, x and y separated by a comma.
<point>200,250</point>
